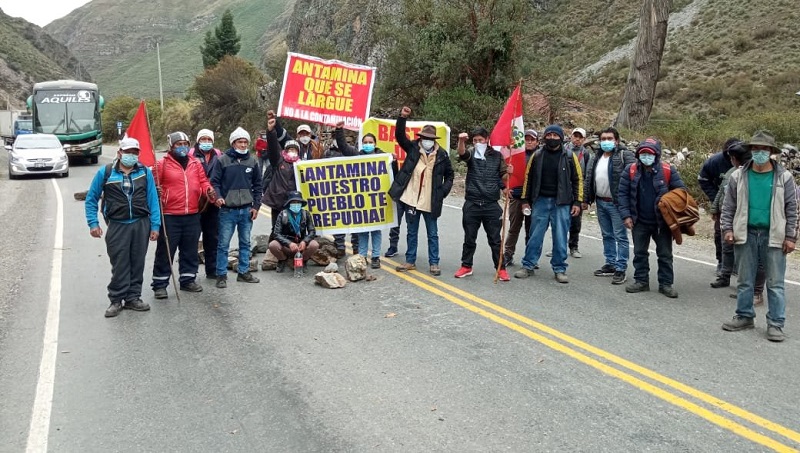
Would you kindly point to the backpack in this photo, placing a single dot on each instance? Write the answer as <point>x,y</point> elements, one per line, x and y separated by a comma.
<point>664,166</point>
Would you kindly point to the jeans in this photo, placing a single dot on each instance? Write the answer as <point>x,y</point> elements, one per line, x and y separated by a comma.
<point>412,234</point>
<point>363,243</point>
<point>749,254</point>
<point>473,216</point>
<point>575,231</point>
<point>616,247</point>
<point>641,256</point>
<point>182,232</point>
<point>730,262</point>
<point>515,220</point>
<point>230,219</point>
<point>546,213</point>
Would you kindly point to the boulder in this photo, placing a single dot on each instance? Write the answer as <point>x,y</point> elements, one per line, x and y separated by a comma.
<point>330,280</point>
<point>80,196</point>
<point>260,244</point>
<point>331,268</point>
<point>356,267</point>
<point>270,262</point>
<point>326,253</point>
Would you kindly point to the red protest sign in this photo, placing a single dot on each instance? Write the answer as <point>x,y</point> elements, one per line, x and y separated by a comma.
<point>326,91</point>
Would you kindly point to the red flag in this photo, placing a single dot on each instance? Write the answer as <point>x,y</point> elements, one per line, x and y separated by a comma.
<point>140,130</point>
<point>508,137</point>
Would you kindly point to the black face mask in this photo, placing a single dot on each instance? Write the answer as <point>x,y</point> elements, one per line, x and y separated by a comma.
<point>552,143</point>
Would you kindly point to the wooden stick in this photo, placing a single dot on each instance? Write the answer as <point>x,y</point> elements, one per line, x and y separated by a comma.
<point>502,240</point>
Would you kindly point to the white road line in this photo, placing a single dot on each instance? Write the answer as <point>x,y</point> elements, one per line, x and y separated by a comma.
<point>691,260</point>
<point>43,404</point>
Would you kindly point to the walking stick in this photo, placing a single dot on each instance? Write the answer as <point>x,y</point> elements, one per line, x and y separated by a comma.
<point>502,241</point>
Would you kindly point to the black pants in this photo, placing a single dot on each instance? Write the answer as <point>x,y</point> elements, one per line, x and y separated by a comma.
<point>338,241</point>
<point>477,214</point>
<point>718,241</point>
<point>209,224</point>
<point>642,233</point>
<point>394,233</point>
<point>183,232</point>
<point>575,231</point>
<point>126,245</point>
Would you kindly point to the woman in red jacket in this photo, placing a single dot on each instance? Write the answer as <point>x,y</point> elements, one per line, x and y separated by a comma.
<point>181,183</point>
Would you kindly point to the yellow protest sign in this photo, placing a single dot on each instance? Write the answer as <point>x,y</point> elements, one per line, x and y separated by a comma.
<point>348,194</point>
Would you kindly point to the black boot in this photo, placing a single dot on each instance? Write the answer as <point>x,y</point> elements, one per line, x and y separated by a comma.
<point>721,282</point>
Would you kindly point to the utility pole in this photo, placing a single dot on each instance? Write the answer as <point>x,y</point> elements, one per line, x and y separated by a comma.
<point>160,85</point>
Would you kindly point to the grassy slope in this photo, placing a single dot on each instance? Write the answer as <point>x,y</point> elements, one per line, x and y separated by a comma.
<point>22,55</point>
<point>137,75</point>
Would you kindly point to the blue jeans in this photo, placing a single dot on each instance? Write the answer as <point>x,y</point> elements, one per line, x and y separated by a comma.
<point>412,234</point>
<point>546,213</point>
<point>363,243</point>
<point>748,254</point>
<point>641,256</point>
<point>230,219</point>
<point>615,236</point>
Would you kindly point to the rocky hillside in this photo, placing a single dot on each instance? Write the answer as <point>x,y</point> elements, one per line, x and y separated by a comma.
<point>29,55</point>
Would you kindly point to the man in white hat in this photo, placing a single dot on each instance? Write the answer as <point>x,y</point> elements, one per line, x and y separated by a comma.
<point>131,212</point>
<point>237,181</point>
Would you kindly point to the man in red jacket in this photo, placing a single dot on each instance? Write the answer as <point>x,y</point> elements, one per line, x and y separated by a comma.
<point>181,183</point>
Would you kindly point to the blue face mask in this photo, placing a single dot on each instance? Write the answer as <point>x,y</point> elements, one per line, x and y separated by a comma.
<point>295,207</point>
<point>181,151</point>
<point>647,159</point>
<point>206,146</point>
<point>368,147</point>
<point>129,160</point>
<point>607,146</point>
<point>761,157</point>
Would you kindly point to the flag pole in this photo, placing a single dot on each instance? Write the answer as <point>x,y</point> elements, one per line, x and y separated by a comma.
<point>161,207</point>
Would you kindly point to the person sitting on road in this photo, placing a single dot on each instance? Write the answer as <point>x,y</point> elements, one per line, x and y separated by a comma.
<point>487,172</point>
<point>181,182</point>
<point>293,232</point>
<point>131,212</point>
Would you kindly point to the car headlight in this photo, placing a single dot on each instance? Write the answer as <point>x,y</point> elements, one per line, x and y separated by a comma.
<point>63,158</point>
<point>14,158</point>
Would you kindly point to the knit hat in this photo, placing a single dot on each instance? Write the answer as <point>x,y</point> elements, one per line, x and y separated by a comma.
<point>205,133</point>
<point>555,128</point>
<point>239,133</point>
<point>650,144</point>
<point>292,144</point>
<point>176,137</point>
<point>128,143</point>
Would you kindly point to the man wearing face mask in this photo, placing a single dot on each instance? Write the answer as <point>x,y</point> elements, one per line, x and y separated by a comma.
<point>208,156</point>
<point>516,217</point>
<point>759,217</point>
<point>237,181</point>
<point>131,212</point>
<point>182,182</point>
<point>486,169</point>
<point>294,232</point>
<point>421,185</point>
<point>282,161</point>
<point>553,189</point>
<point>642,185</point>
<point>601,187</point>
<point>309,148</point>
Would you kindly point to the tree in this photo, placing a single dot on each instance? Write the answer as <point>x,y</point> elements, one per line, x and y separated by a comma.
<point>224,41</point>
<point>640,89</point>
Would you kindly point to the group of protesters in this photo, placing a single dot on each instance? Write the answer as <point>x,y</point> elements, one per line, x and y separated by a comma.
<point>198,190</point>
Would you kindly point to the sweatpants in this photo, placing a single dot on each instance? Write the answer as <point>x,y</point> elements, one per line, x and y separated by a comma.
<point>126,245</point>
<point>182,232</point>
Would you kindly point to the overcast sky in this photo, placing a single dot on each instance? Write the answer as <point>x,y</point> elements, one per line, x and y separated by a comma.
<point>40,12</point>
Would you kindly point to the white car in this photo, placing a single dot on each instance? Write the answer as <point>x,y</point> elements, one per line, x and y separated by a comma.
<point>37,154</point>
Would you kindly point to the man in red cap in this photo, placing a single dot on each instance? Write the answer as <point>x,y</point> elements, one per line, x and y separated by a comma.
<point>642,185</point>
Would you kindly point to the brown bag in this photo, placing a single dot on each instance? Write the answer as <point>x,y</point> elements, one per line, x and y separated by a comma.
<point>680,213</point>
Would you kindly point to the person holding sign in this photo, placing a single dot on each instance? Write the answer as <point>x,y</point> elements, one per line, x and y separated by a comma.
<point>293,232</point>
<point>367,148</point>
<point>486,169</point>
<point>421,185</point>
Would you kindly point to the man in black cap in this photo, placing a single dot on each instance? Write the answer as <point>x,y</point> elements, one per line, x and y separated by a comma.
<point>293,232</point>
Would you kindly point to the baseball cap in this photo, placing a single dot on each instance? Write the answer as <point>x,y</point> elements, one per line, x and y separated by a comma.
<point>579,130</point>
<point>532,133</point>
<point>304,127</point>
<point>128,143</point>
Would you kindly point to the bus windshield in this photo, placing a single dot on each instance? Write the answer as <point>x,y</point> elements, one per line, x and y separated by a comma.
<point>66,112</point>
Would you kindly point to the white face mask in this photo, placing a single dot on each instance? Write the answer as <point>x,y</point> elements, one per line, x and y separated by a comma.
<point>427,145</point>
<point>241,151</point>
<point>480,151</point>
<point>304,140</point>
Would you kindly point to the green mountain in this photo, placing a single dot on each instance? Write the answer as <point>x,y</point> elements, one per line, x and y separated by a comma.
<point>117,39</point>
<point>29,55</point>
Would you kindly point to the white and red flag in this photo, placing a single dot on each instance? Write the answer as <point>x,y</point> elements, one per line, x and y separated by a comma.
<point>508,137</point>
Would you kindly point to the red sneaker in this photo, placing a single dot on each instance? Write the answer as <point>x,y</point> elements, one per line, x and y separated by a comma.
<point>464,272</point>
<point>503,276</point>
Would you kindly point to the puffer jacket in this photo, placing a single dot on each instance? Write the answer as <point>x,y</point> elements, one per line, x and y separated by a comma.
<point>181,190</point>
<point>628,195</point>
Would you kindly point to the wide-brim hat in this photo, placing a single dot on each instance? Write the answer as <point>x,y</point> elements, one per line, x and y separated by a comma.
<point>764,138</point>
<point>294,196</point>
<point>428,131</point>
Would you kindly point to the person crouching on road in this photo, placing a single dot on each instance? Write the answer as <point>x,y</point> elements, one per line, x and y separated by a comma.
<point>130,209</point>
<point>205,152</point>
<point>553,188</point>
<point>181,182</point>
<point>294,232</point>
<point>642,185</point>
<point>237,180</point>
<point>421,186</point>
<point>486,170</point>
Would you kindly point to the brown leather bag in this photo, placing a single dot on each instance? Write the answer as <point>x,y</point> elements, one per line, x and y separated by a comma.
<point>680,213</point>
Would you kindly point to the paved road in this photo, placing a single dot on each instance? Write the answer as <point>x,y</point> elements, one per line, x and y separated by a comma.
<point>406,363</point>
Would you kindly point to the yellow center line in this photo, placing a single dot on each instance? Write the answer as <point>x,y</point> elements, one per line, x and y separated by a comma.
<point>669,397</point>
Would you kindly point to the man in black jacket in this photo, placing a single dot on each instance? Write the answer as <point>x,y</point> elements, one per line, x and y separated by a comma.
<point>710,178</point>
<point>486,169</point>
<point>421,185</point>
<point>293,232</point>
